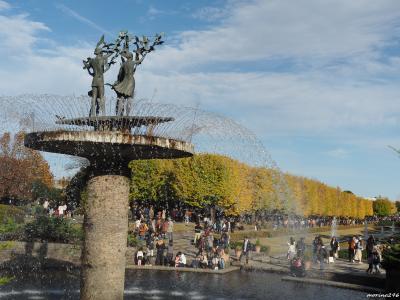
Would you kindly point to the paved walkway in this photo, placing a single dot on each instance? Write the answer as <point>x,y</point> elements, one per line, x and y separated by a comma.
<point>340,270</point>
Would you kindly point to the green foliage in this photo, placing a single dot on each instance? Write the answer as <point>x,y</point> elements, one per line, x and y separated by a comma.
<point>75,192</point>
<point>258,242</point>
<point>397,204</point>
<point>236,245</point>
<point>9,211</point>
<point>265,249</point>
<point>42,191</point>
<point>207,179</point>
<point>382,207</point>
<point>7,245</point>
<point>9,227</point>
<point>6,279</point>
<point>133,241</point>
<point>391,258</point>
<point>53,229</point>
<point>151,180</point>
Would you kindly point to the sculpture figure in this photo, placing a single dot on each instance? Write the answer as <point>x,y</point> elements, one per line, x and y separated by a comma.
<point>125,84</point>
<point>96,67</point>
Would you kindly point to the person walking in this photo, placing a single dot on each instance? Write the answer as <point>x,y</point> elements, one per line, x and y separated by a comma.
<point>334,247</point>
<point>315,249</point>
<point>351,249</point>
<point>197,233</point>
<point>322,255</point>
<point>170,229</point>
<point>245,249</point>
<point>139,256</point>
<point>300,247</point>
<point>160,246</point>
<point>369,249</point>
<point>170,254</point>
<point>358,250</point>
<point>376,259</point>
<point>291,253</point>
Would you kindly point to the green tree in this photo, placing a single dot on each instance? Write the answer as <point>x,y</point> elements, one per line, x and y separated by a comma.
<point>382,206</point>
<point>397,204</point>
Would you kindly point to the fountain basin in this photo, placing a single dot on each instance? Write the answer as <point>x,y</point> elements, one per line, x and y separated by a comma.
<point>97,144</point>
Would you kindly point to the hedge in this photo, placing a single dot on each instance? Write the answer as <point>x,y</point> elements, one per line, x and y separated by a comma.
<point>264,249</point>
<point>391,258</point>
<point>53,229</point>
<point>10,211</point>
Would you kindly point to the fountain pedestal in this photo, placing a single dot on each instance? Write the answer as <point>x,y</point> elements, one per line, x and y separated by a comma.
<point>105,225</point>
<point>109,151</point>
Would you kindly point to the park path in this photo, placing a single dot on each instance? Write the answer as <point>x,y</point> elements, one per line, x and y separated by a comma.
<point>340,270</point>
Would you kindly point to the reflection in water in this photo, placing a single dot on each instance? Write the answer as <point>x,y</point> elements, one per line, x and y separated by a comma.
<point>147,284</point>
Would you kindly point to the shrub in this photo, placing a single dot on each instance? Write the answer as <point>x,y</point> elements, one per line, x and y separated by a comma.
<point>7,245</point>
<point>234,245</point>
<point>10,230</point>
<point>265,249</point>
<point>53,229</point>
<point>6,279</point>
<point>135,242</point>
<point>391,258</point>
<point>9,226</point>
<point>9,211</point>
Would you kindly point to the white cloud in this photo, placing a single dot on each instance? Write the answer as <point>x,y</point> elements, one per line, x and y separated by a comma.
<point>210,13</point>
<point>338,153</point>
<point>311,30</point>
<point>4,5</point>
<point>82,19</point>
<point>154,12</point>
<point>18,34</point>
<point>279,103</point>
<point>320,98</point>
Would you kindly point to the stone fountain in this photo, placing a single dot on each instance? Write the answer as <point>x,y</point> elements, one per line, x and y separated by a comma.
<point>109,143</point>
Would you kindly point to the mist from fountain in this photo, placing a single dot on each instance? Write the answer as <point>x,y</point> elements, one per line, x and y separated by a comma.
<point>210,132</point>
<point>334,228</point>
<point>365,229</point>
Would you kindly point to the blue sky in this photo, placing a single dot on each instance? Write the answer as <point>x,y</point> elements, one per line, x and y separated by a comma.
<point>317,81</point>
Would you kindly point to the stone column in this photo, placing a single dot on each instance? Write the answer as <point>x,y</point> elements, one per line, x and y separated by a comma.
<point>106,229</point>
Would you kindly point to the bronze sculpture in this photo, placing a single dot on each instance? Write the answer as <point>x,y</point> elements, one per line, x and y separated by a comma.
<point>96,67</point>
<point>125,84</point>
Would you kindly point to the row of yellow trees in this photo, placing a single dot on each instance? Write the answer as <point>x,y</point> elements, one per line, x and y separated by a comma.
<point>208,179</point>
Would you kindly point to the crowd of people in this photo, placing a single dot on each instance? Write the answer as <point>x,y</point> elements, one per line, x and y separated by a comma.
<point>156,231</point>
<point>325,255</point>
<point>212,239</point>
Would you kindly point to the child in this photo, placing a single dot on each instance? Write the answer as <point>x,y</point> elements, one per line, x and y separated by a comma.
<point>297,267</point>
<point>139,256</point>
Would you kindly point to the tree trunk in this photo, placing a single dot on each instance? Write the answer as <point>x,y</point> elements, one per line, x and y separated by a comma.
<point>106,229</point>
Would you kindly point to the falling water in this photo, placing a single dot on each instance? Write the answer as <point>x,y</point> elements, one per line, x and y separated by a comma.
<point>334,227</point>
<point>209,132</point>
<point>365,230</point>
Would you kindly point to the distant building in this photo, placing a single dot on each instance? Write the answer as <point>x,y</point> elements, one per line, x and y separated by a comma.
<point>371,198</point>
